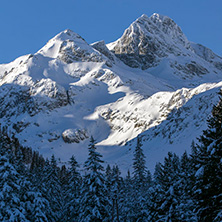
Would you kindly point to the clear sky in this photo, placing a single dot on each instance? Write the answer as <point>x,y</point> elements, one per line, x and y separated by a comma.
<point>27,25</point>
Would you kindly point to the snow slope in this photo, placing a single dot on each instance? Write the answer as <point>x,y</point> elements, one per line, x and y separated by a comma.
<point>151,82</point>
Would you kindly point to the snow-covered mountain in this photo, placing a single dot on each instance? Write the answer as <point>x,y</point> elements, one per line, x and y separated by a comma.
<point>152,81</point>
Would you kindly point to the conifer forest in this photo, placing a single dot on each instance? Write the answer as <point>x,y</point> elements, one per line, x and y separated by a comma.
<point>182,188</point>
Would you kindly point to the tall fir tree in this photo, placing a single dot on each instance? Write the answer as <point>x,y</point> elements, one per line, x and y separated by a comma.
<point>140,210</point>
<point>139,165</point>
<point>11,206</point>
<point>156,195</point>
<point>207,161</point>
<point>116,192</point>
<point>108,177</point>
<point>72,192</point>
<point>186,204</point>
<point>129,201</point>
<point>94,200</point>
<point>169,187</point>
<point>51,188</point>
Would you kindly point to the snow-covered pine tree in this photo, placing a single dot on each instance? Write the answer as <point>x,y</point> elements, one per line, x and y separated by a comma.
<point>158,173</point>
<point>169,182</point>
<point>72,192</point>
<point>154,202</point>
<point>108,176</point>
<point>116,192</point>
<point>94,200</point>
<point>51,188</point>
<point>208,163</point>
<point>11,207</point>
<point>64,183</point>
<point>148,179</point>
<point>108,182</point>
<point>126,205</point>
<point>140,210</point>
<point>20,200</point>
<point>186,205</point>
<point>37,207</point>
<point>139,165</point>
<point>156,194</point>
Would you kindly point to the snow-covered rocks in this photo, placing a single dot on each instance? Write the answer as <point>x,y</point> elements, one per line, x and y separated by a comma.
<point>147,40</point>
<point>207,55</point>
<point>71,47</point>
<point>70,51</point>
<point>150,40</point>
<point>15,100</point>
<point>48,93</point>
<point>101,47</point>
<point>74,136</point>
<point>171,29</point>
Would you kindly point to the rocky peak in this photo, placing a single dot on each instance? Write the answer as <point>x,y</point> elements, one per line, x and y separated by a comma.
<point>53,46</point>
<point>69,34</point>
<point>170,28</point>
<point>148,39</point>
<point>69,47</point>
<point>163,20</point>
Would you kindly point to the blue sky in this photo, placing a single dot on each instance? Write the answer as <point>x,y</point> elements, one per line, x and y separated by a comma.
<point>27,25</point>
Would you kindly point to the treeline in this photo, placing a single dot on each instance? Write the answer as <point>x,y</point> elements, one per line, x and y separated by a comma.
<point>186,188</point>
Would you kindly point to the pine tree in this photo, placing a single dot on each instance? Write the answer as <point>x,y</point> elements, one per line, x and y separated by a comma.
<point>169,182</point>
<point>116,192</point>
<point>94,200</point>
<point>37,207</point>
<point>127,201</point>
<point>11,206</point>
<point>154,203</point>
<point>72,192</point>
<point>21,201</point>
<point>108,175</point>
<point>139,165</point>
<point>51,188</point>
<point>186,180</point>
<point>208,165</point>
<point>140,210</point>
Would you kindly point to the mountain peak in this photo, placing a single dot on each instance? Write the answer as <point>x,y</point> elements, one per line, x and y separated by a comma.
<point>54,46</point>
<point>70,47</point>
<point>67,34</point>
<point>148,39</point>
<point>143,16</point>
<point>155,17</point>
<point>167,25</point>
<point>158,17</point>
<point>159,23</point>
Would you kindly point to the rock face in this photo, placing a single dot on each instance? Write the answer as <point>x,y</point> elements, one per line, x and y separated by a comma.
<point>70,52</point>
<point>207,55</point>
<point>147,40</point>
<point>101,47</point>
<point>70,47</point>
<point>15,100</point>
